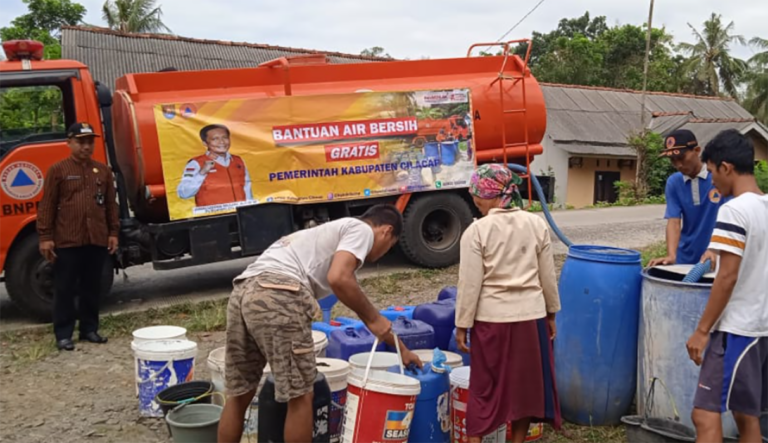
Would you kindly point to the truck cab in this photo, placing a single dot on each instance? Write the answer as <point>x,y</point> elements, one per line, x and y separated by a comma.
<point>39,100</point>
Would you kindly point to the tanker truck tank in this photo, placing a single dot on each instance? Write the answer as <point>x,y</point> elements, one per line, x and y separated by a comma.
<point>501,110</point>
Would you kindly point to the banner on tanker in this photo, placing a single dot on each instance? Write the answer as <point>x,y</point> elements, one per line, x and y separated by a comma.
<point>218,155</point>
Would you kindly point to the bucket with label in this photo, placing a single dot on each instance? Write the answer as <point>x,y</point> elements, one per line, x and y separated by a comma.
<point>321,343</point>
<point>154,333</point>
<point>459,400</point>
<point>380,405</point>
<point>535,432</point>
<point>216,368</point>
<point>272,415</point>
<point>336,373</point>
<point>162,364</point>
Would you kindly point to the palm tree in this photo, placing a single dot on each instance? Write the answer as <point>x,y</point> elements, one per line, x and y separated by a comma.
<point>134,16</point>
<point>710,60</point>
<point>756,100</point>
<point>429,113</point>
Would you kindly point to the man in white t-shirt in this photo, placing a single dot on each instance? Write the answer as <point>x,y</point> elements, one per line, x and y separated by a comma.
<point>734,326</point>
<point>270,313</point>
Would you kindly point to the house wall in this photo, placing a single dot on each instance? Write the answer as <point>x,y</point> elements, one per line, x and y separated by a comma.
<point>761,147</point>
<point>555,158</point>
<point>581,181</point>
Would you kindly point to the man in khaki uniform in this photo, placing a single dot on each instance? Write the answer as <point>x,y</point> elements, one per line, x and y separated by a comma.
<point>270,312</point>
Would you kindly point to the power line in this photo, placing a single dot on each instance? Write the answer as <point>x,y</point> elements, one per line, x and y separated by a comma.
<point>521,20</point>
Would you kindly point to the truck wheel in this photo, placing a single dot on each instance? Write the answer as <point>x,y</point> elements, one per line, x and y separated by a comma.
<point>29,279</point>
<point>433,224</point>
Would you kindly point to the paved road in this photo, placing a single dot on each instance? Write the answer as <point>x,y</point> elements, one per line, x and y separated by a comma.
<point>142,288</point>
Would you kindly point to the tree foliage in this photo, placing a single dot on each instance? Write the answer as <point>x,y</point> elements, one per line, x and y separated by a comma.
<point>653,170</point>
<point>709,59</point>
<point>134,16</point>
<point>756,99</point>
<point>761,175</point>
<point>376,51</point>
<point>43,23</point>
<point>586,51</point>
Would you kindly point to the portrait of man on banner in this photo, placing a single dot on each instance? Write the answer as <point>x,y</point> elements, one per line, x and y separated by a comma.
<point>216,176</point>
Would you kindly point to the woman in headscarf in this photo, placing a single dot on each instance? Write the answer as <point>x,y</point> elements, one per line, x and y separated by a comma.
<point>507,295</point>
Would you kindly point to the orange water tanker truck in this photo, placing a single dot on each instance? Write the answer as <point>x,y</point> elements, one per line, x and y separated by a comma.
<point>505,107</point>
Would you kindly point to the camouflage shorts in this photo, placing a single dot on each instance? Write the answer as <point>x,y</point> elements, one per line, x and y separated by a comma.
<point>269,320</point>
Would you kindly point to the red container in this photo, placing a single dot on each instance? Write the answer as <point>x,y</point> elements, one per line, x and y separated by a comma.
<point>459,400</point>
<point>535,432</point>
<point>379,408</point>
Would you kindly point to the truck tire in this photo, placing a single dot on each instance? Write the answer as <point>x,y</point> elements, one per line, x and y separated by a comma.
<point>432,228</point>
<point>29,279</point>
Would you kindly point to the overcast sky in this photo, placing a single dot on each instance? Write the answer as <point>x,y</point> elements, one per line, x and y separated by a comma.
<point>415,28</point>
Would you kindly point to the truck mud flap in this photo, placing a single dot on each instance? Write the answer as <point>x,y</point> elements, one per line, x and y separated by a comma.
<point>262,225</point>
<point>209,239</point>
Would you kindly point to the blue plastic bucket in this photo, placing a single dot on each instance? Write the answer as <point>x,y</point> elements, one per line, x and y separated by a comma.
<point>162,364</point>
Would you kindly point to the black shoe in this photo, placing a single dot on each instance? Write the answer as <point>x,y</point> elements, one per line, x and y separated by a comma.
<point>65,345</point>
<point>93,337</point>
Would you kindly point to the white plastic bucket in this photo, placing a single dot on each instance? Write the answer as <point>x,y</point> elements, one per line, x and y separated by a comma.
<point>321,342</point>
<point>381,361</point>
<point>459,399</point>
<point>162,364</point>
<point>164,332</point>
<point>336,372</point>
<point>452,359</point>
<point>216,367</point>
<point>154,333</point>
<point>500,436</point>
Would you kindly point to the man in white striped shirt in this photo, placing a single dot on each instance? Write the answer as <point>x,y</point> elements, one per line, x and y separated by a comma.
<point>734,326</point>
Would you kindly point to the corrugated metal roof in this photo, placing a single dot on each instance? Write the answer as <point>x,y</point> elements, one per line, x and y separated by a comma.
<point>705,132</point>
<point>665,124</point>
<point>603,151</point>
<point>109,54</point>
<point>587,120</point>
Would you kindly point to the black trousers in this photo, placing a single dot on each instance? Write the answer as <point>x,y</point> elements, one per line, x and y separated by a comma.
<point>77,273</point>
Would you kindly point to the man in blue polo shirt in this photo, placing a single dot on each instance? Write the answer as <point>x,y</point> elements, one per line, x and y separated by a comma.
<point>692,202</point>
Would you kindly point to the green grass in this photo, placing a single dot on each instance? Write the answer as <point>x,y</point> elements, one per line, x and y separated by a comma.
<point>655,250</point>
<point>571,433</point>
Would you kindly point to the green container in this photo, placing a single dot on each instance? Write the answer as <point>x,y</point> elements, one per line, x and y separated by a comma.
<point>195,423</point>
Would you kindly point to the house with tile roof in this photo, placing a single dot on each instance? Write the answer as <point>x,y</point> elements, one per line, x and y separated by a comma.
<point>585,145</point>
<point>111,54</point>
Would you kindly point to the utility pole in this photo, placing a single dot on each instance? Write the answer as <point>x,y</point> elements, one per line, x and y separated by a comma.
<point>639,183</point>
<point>645,67</point>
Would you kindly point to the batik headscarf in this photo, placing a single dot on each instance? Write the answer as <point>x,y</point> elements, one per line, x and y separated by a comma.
<point>496,180</point>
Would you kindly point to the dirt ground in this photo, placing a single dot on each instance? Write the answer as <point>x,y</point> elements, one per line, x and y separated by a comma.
<point>88,395</point>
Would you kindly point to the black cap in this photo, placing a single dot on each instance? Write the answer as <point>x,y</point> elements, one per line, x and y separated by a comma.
<point>81,130</point>
<point>678,142</point>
